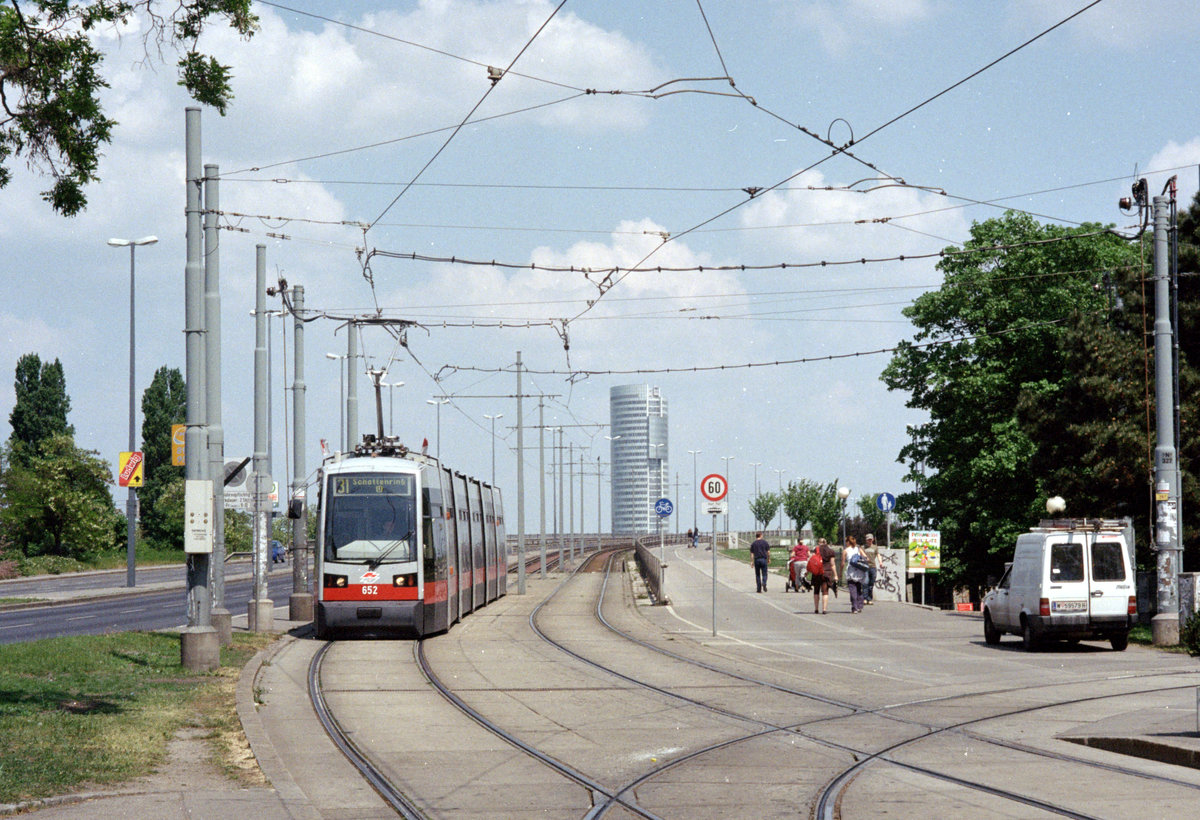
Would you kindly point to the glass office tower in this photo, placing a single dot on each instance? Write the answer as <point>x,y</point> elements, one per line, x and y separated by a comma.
<point>638,417</point>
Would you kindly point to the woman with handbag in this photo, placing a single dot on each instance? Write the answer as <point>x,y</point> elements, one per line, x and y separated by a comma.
<point>854,564</point>
<point>823,566</point>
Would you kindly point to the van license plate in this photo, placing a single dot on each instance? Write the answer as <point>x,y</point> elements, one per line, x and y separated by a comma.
<point>1068,606</point>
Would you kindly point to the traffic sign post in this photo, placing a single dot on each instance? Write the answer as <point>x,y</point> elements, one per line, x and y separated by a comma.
<point>714,488</point>
<point>886,502</point>
<point>664,508</point>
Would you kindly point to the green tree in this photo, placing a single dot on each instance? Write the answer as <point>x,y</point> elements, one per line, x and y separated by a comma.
<point>51,79</point>
<point>41,407</point>
<point>873,520</point>
<point>59,503</point>
<point>807,501</point>
<point>764,507</point>
<point>990,338</point>
<point>164,403</point>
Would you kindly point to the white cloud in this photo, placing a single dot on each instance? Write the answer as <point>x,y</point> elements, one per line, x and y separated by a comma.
<point>1180,161</point>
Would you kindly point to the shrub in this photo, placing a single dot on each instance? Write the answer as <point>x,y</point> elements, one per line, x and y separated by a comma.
<point>1189,637</point>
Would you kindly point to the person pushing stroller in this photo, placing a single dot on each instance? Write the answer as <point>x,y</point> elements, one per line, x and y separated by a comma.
<point>796,568</point>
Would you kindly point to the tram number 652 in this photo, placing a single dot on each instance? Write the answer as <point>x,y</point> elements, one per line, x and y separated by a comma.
<point>370,590</point>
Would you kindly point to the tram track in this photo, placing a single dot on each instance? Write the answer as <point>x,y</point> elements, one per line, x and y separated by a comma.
<point>829,800</point>
<point>856,759</point>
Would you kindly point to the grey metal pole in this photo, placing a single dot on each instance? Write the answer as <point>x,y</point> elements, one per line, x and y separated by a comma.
<point>222,619</point>
<point>199,646</point>
<point>351,387</point>
<point>300,604</point>
<point>542,480</point>
<point>131,503</point>
<point>571,493</point>
<point>1164,626</point>
<point>582,528</point>
<point>560,520</point>
<point>714,573</point>
<point>520,486</point>
<point>599,492</point>
<point>260,610</point>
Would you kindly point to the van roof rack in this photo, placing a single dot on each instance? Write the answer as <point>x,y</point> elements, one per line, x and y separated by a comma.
<point>1094,524</point>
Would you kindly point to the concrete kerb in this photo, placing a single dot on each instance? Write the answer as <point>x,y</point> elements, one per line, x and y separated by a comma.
<point>272,765</point>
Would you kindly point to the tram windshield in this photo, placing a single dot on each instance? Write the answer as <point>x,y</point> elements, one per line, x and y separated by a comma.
<point>371,518</point>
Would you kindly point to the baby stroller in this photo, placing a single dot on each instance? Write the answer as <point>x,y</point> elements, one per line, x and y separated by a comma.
<point>797,581</point>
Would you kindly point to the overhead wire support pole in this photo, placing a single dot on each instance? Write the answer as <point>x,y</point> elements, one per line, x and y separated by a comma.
<point>300,602</point>
<point>260,609</point>
<point>1164,626</point>
<point>520,485</point>
<point>222,618</point>
<point>199,646</point>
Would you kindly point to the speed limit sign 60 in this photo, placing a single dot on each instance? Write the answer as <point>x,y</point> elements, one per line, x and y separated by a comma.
<point>714,487</point>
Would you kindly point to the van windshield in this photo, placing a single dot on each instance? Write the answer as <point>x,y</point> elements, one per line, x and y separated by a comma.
<point>1107,564</point>
<point>1066,562</point>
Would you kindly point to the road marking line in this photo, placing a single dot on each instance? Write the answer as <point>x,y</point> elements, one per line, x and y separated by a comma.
<point>17,626</point>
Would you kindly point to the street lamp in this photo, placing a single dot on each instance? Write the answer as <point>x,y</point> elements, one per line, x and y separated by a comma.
<point>613,512</point>
<point>438,403</point>
<point>695,489</point>
<point>843,494</point>
<point>391,386</point>
<point>728,490</point>
<point>131,504</point>
<point>493,420</point>
<point>756,465</point>
<point>341,399</point>
<point>780,474</point>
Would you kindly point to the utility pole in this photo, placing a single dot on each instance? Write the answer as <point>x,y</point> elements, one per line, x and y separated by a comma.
<point>542,481</point>
<point>352,438</point>
<point>520,486</point>
<point>199,645</point>
<point>260,611</point>
<point>222,618</point>
<point>300,603</point>
<point>1164,627</point>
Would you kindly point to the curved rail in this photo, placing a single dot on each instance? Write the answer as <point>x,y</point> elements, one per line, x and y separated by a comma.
<point>394,797</point>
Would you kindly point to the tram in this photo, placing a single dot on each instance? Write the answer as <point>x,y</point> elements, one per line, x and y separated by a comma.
<point>405,545</point>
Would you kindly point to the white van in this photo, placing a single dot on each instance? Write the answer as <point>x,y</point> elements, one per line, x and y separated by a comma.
<point>1070,579</point>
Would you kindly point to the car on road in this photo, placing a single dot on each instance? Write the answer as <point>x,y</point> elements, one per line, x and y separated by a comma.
<point>1069,580</point>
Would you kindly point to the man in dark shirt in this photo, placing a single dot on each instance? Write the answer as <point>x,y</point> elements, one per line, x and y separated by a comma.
<point>760,550</point>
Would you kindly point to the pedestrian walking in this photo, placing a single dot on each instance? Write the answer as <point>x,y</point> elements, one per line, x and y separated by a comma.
<point>874,563</point>
<point>823,566</point>
<point>854,566</point>
<point>760,551</point>
<point>691,539</point>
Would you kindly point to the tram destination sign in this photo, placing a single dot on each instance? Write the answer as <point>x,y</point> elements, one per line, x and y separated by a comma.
<point>373,484</point>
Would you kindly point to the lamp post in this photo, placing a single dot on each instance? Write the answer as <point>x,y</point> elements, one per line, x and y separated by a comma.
<point>341,399</point>
<point>131,504</point>
<point>391,386</point>
<point>756,465</point>
<point>843,494</point>
<point>438,403</point>
<point>613,456</point>
<point>493,420</point>
<point>780,474</point>
<point>729,488</point>
<point>695,489</point>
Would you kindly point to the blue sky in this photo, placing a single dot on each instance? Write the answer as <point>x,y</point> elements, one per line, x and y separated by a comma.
<point>546,175</point>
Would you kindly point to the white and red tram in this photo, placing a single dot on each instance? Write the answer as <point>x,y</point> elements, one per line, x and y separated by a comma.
<point>405,545</point>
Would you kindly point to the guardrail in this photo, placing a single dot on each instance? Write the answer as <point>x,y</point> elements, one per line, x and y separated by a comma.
<point>654,570</point>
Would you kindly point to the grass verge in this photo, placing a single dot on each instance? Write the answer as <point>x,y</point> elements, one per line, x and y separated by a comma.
<point>94,711</point>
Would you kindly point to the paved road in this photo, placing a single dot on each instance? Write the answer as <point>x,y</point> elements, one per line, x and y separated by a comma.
<point>77,613</point>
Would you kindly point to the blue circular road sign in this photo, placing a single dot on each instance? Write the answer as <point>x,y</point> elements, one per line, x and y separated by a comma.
<point>886,502</point>
<point>664,507</point>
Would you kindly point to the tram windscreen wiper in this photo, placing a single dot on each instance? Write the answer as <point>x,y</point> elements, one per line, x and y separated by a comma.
<point>375,562</point>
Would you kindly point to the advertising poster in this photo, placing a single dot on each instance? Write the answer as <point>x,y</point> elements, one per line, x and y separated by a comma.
<point>924,551</point>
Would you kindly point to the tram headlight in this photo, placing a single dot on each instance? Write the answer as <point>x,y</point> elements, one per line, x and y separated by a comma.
<point>336,581</point>
<point>408,580</point>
